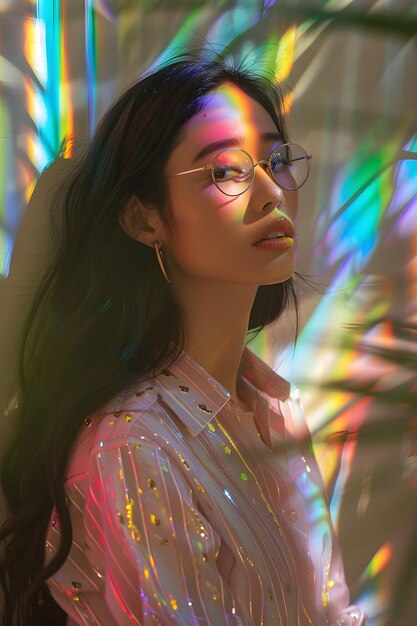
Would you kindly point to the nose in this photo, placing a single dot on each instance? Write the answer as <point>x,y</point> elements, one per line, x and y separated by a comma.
<point>274,193</point>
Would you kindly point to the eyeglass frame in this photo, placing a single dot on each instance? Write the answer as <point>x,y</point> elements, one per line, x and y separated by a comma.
<point>210,166</point>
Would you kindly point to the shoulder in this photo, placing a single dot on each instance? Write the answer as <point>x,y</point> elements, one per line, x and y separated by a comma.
<point>119,416</point>
<point>126,417</point>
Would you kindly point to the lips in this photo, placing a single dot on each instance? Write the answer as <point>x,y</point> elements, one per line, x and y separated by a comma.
<point>279,225</point>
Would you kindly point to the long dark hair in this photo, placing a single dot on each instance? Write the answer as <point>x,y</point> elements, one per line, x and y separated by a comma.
<point>103,314</point>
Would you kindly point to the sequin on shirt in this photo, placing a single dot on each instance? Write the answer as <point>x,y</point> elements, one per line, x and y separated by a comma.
<point>188,511</point>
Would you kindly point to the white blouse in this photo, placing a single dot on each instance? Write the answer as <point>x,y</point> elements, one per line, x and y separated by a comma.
<point>188,511</point>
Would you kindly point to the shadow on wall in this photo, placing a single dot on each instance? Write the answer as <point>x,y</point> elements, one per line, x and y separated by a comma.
<point>32,252</point>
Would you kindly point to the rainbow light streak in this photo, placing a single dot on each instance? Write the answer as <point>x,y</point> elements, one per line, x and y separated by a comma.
<point>319,534</point>
<point>48,106</point>
<point>411,268</point>
<point>65,101</point>
<point>231,24</point>
<point>47,94</point>
<point>284,62</point>
<point>34,52</point>
<point>120,603</point>
<point>91,61</point>
<point>103,8</point>
<point>378,562</point>
<point>363,206</point>
<point>278,59</point>
<point>375,598</point>
<point>360,195</point>
<point>8,193</point>
<point>192,23</point>
<point>404,200</point>
<point>330,313</point>
<point>334,440</point>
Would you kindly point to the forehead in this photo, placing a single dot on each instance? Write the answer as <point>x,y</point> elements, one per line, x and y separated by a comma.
<point>228,111</point>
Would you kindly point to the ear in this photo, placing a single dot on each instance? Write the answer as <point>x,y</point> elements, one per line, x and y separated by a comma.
<point>141,223</point>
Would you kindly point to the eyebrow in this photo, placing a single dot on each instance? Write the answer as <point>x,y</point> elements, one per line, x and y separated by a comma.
<point>231,142</point>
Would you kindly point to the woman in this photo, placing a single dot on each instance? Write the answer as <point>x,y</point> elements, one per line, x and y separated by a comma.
<point>160,472</point>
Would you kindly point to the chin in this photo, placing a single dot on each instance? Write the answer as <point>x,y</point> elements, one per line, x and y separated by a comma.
<point>281,278</point>
<point>286,273</point>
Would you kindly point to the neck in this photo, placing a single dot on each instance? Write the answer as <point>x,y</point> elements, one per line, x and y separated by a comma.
<point>216,322</point>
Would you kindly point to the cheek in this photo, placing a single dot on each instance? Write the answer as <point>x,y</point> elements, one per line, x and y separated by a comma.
<point>195,233</point>
<point>202,217</point>
<point>208,223</point>
<point>291,203</point>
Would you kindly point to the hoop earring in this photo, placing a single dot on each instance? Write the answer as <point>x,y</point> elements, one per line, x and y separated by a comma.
<point>160,259</point>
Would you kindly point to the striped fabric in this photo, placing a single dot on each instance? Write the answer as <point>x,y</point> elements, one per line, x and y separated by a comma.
<point>188,511</point>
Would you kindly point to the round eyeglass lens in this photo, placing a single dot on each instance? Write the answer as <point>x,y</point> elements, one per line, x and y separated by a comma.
<point>289,165</point>
<point>232,171</point>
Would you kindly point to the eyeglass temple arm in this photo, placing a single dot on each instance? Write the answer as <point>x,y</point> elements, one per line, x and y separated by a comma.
<point>198,169</point>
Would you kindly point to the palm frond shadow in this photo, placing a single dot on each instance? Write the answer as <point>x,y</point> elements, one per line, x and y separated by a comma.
<point>398,388</point>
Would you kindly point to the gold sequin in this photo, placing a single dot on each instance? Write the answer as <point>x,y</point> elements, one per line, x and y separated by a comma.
<point>155,520</point>
<point>128,418</point>
<point>129,513</point>
<point>211,427</point>
<point>187,467</point>
<point>151,483</point>
<point>325,596</point>
<point>76,598</point>
<point>200,488</point>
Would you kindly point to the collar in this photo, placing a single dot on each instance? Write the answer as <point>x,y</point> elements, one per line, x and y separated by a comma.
<point>196,397</point>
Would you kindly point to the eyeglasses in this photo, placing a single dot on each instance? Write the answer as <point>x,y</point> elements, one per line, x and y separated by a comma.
<point>233,169</point>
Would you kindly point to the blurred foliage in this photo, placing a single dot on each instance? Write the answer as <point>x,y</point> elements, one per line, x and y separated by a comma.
<point>403,23</point>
